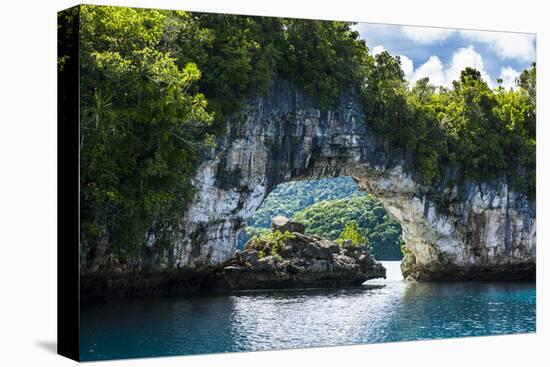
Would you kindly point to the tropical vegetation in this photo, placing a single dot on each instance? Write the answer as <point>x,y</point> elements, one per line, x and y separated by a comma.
<point>157,88</point>
<point>361,219</point>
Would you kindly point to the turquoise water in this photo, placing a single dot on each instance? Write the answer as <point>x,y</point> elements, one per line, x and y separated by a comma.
<point>380,311</point>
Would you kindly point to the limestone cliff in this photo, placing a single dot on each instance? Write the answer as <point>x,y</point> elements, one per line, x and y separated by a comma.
<point>477,230</point>
<point>473,231</point>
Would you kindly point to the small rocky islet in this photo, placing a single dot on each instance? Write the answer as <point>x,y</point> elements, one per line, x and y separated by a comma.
<point>290,258</point>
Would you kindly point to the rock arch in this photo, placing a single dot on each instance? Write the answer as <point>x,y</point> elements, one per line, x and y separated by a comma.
<point>479,230</point>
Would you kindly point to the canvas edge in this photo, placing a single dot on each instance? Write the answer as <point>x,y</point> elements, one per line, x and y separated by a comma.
<point>68,185</point>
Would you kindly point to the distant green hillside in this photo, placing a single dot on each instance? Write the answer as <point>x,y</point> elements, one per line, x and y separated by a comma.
<point>291,197</point>
<point>328,219</point>
<point>325,206</point>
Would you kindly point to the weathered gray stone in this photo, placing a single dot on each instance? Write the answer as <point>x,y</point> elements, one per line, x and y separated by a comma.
<point>287,251</point>
<point>320,266</point>
<point>315,266</point>
<point>250,257</point>
<point>313,250</point>
<point>278,222</point>
<point>333,248</point>
<point>283,224</point>
<point>347,244</point>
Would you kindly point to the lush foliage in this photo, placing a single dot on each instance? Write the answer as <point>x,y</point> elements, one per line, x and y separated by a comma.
<point>325,58</point>
<point>351,233</point>
<point>325,207</point>
<point>484,133</point>
<point>240,56</point>
<point>270,243</point>
<point>156,87</point>
<point>141,127</point>
<point>331,218</point>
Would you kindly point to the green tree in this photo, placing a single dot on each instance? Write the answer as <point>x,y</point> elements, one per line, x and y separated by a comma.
<point>428,145</point>
<point>527,81</point>
<point>385,103</point>
<point>325,58</point>
<point>471,130</point>
<point>158,87</point>
<point>291,197</point>
<point>351,233</point>
<point>270,242</point>
<point>141,130</point>
<point>241,60</point>
<point>328,219</point>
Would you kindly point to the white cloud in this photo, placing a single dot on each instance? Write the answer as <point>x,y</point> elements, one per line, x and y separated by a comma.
<point>407,66</point>
<point>520,46</point>
<point>508,76</point>
<point>434,69</point>
<point>462,58</point>
<point>377,50</point>
<point>374,28</point>
<point>425,35</point>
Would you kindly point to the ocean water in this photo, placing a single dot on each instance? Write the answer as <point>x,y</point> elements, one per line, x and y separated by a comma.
<point>379,311</point>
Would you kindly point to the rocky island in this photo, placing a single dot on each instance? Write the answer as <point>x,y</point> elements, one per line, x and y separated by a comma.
<point>290,258</point>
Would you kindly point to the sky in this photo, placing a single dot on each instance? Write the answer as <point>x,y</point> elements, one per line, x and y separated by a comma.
<point>441,53</point>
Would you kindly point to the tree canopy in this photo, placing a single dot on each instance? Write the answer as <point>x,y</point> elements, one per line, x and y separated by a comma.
<point>351,233</point>
<point>479,132</point>
<point>142,125</point>
<point>291,197</point>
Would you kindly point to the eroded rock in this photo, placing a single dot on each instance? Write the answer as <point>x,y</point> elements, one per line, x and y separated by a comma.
<point>283,224</point>
<point>303,261</point>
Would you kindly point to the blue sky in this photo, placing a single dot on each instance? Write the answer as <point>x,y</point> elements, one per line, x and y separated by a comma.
<point>441,53</point>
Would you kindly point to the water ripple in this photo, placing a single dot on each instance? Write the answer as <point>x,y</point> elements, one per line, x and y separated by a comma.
<point>380,311</point>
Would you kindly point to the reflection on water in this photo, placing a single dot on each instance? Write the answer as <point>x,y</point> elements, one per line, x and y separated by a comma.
<point>379,311</point>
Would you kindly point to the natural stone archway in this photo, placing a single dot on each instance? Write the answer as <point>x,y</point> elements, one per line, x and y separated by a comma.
<point>478,230</point>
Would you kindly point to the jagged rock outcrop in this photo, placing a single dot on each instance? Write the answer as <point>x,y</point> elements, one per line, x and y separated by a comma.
<point>474,230</point>
<point>283,224</point>
<point>300,261</point>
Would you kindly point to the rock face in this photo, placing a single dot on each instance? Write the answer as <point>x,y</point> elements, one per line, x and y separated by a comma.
<point>477,230</point>
<point>283,224</point>
<point>303,261</point>
<point>480,231</point>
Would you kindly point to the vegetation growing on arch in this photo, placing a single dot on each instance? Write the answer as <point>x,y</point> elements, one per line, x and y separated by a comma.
<point>482,132</point>
<point>142,125</point>
<point>157,88</point>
